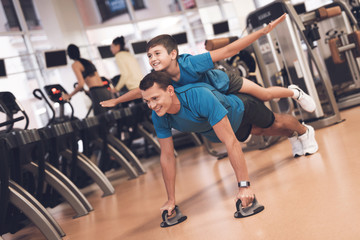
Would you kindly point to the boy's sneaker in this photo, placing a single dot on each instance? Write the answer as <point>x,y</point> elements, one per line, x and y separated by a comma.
<point>304,100</point>
<point>297,148</point>
<point>308,141</point>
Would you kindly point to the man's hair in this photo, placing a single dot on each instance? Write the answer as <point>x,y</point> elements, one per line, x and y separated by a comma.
<point>163,79</point>
<point>165,40</point>
<point>73,52</point>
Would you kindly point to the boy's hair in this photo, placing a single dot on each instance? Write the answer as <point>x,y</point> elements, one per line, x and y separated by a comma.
<point>165,40</point>
<point>73,52</point>
<point>163,79</point>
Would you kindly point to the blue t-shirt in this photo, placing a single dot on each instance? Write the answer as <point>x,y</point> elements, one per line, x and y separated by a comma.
<point>201,107</point>
<point>199,68</point>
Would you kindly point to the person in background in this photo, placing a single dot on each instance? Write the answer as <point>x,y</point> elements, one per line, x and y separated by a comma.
<point>129,67</point>
<point>86,73</point>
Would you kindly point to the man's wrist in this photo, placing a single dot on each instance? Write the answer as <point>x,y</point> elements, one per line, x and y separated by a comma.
<point>243,184</point>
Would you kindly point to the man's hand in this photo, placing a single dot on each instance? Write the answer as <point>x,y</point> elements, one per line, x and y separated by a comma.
<point>109,103</point>
<point>169,206</point>
<point>246,196</point>
<point>273,24</point>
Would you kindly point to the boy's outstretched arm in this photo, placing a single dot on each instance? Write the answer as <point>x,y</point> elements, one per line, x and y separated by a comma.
<point>238,45</point>
<point>131,95</point>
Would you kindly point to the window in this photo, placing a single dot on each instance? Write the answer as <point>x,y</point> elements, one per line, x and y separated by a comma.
<point>8,17</point>
<point>32,20</point>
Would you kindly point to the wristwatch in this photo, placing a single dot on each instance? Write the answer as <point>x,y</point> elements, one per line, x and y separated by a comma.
<point>243,184</point>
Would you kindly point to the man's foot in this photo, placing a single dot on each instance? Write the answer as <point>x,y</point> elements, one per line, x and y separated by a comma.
<point>308,141</point>
<point>297,148</point>
<point>304,100</point>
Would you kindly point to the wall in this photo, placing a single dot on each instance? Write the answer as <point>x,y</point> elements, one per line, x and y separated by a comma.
<point>62,25</point>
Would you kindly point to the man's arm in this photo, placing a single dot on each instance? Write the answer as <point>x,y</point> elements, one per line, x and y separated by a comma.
<point>168,166</point>
<point>238,45</point>
<point>226,134</point>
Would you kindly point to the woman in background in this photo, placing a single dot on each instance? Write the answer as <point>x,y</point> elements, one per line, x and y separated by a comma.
<point>129,67</point>
<point>86,73</point>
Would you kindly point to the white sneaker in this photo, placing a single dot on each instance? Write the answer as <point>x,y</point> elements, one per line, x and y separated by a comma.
<point>304,100</point>
<point>308,141</point>
<point>297,148</point>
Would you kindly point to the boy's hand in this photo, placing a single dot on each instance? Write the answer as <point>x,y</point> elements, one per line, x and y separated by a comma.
<point>273,24</point>
<point>109,103</point>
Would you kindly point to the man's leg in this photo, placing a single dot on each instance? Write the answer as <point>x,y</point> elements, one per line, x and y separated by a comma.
<point>301,136</point>
<point>284,125</point>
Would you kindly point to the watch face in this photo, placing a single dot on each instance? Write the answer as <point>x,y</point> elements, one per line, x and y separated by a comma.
<point>244,184</point>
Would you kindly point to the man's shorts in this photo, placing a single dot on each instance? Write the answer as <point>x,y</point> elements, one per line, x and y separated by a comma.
<point>235,83</point>
<point>256,113</point>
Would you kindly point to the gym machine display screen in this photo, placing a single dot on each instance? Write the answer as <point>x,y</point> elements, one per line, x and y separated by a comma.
<point>2,68</point>
<point>221,27</point>
<point>105,52</point>
<point>180,38</point>
<point>55,58</point>
<point>139,47</point>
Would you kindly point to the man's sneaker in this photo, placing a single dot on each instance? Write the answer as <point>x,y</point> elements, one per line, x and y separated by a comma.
<point>297,148</point>
<point>304,100</point>
<point>308,141</point>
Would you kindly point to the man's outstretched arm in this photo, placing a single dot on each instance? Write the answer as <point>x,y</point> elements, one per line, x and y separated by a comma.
<point>168,167</point>
<point>226,134</point>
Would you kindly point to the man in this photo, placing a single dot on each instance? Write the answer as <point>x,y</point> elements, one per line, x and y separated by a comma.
<point>230,118</point>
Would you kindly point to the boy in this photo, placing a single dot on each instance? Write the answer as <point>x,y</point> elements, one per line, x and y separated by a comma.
<point>200,108</point>
<point>163,56</point>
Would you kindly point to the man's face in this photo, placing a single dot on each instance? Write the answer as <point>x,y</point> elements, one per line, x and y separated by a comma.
<point>159,58</point>
<point>158,99</point>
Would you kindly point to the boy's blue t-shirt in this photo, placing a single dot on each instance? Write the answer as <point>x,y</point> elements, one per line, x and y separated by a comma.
<point>201,107</point>
<point>199,68</point>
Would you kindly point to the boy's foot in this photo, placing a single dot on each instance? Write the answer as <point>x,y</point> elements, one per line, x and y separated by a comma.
<point>308,141</point>
<point>296,145</point>
<point>304,100</point>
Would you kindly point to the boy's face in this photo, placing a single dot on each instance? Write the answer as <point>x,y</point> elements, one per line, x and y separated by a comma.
<point>159,100</point>
<point>159,59</point>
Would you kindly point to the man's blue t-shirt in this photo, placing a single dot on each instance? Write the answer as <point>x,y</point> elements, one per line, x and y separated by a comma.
<point>199,68</point>
<point>201,107</point>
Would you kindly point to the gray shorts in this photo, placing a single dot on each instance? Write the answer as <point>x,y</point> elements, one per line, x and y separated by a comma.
<point>235,83</point>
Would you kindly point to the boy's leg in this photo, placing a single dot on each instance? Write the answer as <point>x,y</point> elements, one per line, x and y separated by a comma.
<point>238,84</point>
<point>303,99</point>
<point>264,94</point>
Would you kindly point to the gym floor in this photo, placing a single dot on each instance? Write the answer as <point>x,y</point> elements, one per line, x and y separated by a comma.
<point>312,197</point>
